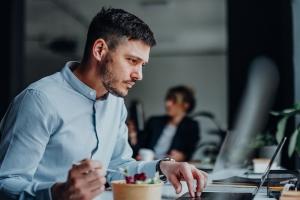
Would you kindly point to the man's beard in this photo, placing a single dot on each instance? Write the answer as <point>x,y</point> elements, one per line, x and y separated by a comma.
<point>108,78</point>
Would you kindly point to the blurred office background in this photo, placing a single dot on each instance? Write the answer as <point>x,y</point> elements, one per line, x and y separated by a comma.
<point>206,44</point>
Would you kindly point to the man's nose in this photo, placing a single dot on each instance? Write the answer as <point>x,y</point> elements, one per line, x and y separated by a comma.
<point>169,103</point>
<point>137,74</point>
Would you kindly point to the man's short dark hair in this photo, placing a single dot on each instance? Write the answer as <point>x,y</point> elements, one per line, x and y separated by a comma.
<point>184,94</point>
<point>112,25</point>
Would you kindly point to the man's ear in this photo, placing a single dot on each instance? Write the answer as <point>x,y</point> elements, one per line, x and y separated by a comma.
<point>99,49</point>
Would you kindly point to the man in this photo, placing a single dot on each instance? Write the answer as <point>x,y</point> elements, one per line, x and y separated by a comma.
<point>174,134</point>
<point>62,132</point>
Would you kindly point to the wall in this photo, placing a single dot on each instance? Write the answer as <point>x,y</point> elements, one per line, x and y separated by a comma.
<point>40,62</point>
<point>206,74</point>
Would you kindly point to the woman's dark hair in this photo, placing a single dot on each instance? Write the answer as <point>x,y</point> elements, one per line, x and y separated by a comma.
<point>112,25</point>
<point>183,94</point>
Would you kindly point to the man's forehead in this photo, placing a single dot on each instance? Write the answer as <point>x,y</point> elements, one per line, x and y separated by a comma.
<point>136,48</point>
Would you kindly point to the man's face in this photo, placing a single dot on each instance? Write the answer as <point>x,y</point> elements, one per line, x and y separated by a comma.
<point>122,67</point>
<point>174,108</point>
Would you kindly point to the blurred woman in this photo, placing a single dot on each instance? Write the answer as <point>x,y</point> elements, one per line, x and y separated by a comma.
<point>175,134</point>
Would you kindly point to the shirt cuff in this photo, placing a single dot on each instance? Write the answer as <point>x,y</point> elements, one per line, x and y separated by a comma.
<point>149,167</point>
<point>45,194</point>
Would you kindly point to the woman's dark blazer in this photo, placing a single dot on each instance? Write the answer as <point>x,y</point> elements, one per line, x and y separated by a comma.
<point>185,139</point>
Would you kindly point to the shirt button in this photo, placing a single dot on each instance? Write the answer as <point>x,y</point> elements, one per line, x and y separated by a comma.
<point>92,93</point>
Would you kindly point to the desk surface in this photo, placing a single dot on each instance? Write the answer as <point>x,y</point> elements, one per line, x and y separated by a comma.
<point>169,193</point>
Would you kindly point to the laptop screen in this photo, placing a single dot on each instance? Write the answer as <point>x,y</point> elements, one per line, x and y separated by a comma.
<point>265,175</point>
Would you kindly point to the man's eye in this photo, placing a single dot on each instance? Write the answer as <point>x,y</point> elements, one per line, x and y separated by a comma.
<point>132,61</point>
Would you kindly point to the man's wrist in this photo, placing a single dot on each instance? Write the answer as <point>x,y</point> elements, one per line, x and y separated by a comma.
<point>162,175</point>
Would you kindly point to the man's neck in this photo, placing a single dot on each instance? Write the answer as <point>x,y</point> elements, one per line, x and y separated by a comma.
<point>177,119</point>
<point>89,76</point>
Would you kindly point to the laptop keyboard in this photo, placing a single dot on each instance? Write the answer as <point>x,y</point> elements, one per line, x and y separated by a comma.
<point>218,196</point>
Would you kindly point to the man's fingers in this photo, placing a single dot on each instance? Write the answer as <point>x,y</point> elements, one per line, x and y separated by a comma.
<point>177,171</point>
<point>93,175</point>
<point>97,191</point>
<point>202,172</point>
<point>81,188</point>
<point>96,184</point>
<point>176,183</point>
<point>188,177</point>
<point>201,181</point>
<point>87,166</point>
<point>85,178</point>
<point>201,178</point>
<point>92,179</point>
<point>205,177</point>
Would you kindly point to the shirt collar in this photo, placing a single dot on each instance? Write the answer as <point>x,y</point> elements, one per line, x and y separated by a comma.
<point>75,83</point>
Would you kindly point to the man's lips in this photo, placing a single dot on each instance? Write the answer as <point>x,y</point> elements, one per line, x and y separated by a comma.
<point>130,84</point>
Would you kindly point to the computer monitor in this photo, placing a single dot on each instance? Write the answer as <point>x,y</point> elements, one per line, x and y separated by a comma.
<point>257,100</point>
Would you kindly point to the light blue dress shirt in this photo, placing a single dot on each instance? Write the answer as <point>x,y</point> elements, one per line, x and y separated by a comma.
<point>55,122</point>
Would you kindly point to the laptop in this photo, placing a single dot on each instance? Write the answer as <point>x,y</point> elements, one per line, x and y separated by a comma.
<point>242,195</point>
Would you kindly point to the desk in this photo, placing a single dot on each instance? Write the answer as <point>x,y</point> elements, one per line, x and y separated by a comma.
<point>168,192</point>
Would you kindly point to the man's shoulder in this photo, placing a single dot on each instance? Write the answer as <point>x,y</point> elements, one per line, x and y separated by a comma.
<point>189,120</point>
<point>158,119</point>
<point>46,83</point>
<point>45,88</point>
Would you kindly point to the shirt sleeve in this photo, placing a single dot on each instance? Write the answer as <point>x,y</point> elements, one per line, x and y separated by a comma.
<point>122,155</point>
<point>25,131</point>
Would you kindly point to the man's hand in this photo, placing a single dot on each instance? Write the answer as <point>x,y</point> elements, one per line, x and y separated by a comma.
<point>177,171</point>
<point>85,181</point>
<point>177,155</point>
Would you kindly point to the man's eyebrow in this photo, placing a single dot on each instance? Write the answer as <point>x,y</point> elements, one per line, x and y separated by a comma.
<point>138,58</point>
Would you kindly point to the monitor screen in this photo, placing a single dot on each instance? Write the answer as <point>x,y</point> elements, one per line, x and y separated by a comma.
<point>256,103</point>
